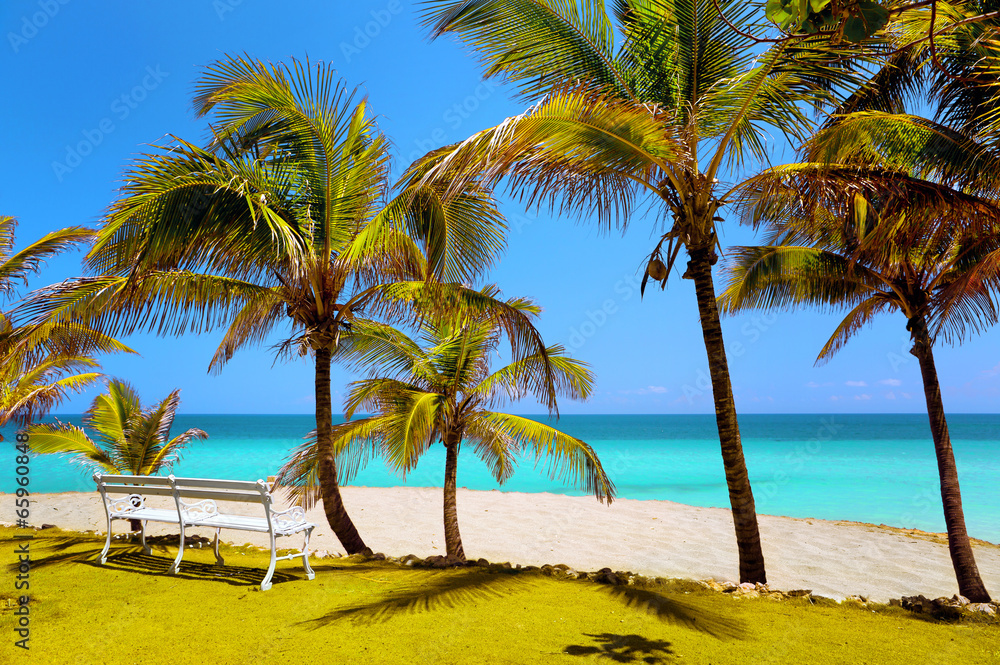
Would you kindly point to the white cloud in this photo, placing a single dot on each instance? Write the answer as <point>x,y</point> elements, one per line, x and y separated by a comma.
<point>890,395</point>
<point>648,390</point>
<point>834,398</point>
<point>907,396</point>
<point>864,396</point>
<point>855,384</point>
<point>993,371</point>
<point>891,382</point>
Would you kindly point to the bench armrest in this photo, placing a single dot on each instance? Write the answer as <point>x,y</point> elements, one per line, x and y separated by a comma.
<point>291,516</point>
<point>125,505</point>
<point>198,510</point>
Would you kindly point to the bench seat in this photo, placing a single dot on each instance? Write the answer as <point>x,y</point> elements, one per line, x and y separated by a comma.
<point>153,515</point>
<point>245,523</point>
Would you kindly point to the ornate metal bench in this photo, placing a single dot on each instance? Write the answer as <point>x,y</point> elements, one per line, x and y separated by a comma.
<point>195,501</point>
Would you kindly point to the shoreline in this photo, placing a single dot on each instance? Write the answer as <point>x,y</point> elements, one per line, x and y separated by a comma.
<point>650,537</point>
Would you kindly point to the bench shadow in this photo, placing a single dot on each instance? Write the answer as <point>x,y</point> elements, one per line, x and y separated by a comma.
<point>129,557</point>
<point>66,549</point>
<point>158,566</point>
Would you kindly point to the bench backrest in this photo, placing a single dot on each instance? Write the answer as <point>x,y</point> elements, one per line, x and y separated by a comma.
<point>186,488</point>
<point>207,491</point>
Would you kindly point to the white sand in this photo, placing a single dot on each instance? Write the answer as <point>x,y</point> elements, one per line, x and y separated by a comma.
<point>656,538</point>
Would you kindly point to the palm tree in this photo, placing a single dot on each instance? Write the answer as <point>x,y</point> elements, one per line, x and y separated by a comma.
<point>608,126</point>
<point>878,240</point>
<point>42,365</point>
<point>129,439</point>
<point>442,390</point>
<point>284,220</point>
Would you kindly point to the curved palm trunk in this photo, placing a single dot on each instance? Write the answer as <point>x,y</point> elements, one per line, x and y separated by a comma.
<point>333,503</point>
<point>452,537</point>
<point>737,479</point>
<point>970,584</point>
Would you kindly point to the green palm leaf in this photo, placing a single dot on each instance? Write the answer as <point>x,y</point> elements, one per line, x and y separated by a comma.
<point>530,42</point>
<point>67,439</point>
<point>570,459</point>
<point>17,267</point>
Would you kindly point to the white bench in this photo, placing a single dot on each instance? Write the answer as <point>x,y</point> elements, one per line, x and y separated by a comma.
<point>125,499</point>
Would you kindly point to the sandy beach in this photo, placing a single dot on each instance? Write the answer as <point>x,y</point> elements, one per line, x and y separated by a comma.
<point>655,538</point>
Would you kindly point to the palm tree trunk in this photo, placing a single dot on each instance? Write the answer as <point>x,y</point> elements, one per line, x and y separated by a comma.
<point>452,537</point>
<point>970,584</point>
<point>333,503</point>
<point>740,495</point>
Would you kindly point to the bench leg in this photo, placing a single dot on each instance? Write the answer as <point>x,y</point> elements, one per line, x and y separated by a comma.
<point>310,573</point>
<point>142,534</point>
<point>175,566</point>
<point>219,561</point>
<point>107,544</point>
<point>266,584</point>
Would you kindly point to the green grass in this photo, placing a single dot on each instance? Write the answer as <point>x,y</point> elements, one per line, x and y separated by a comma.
<point>131,611</point>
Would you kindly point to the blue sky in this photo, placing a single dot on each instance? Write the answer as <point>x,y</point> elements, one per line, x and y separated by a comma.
<point>94,83</point>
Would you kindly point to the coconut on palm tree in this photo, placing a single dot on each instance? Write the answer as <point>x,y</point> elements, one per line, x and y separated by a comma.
<point>285,219</point>
<point>127,438</point>
<point>441,389</point>
<point>876,241</point>
<point>658,116</point>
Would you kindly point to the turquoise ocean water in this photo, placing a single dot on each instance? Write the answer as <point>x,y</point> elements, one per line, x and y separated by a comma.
<point>869,468</point>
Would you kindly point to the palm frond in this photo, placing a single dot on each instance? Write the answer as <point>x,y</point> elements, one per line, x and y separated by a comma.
<point>576,151</point>
<point>68,439</point>
<point>570,460</point>
<point>529,376</point>
<point>859,316</point>
<point>30,259</point>
<point>905,143</point>
<point>778,277</point>
<point>535,44</point>
<point>260,314</point>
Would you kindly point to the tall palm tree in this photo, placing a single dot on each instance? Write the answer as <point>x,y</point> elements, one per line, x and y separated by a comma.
<point>40,366</point>
<point>681,98</point>
<point>128,438</point>
<point>876,240</point>
<point>285,219</point>
<point>441,389</point>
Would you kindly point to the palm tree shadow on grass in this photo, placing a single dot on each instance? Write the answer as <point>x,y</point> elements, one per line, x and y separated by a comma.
<point>623,648</point>
<point>684,613</point>
<point>431,590</point>
<point>449,589</point>
<point>131,558</point>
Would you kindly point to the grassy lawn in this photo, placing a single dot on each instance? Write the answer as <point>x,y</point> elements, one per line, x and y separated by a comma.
<point>131,611</point>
